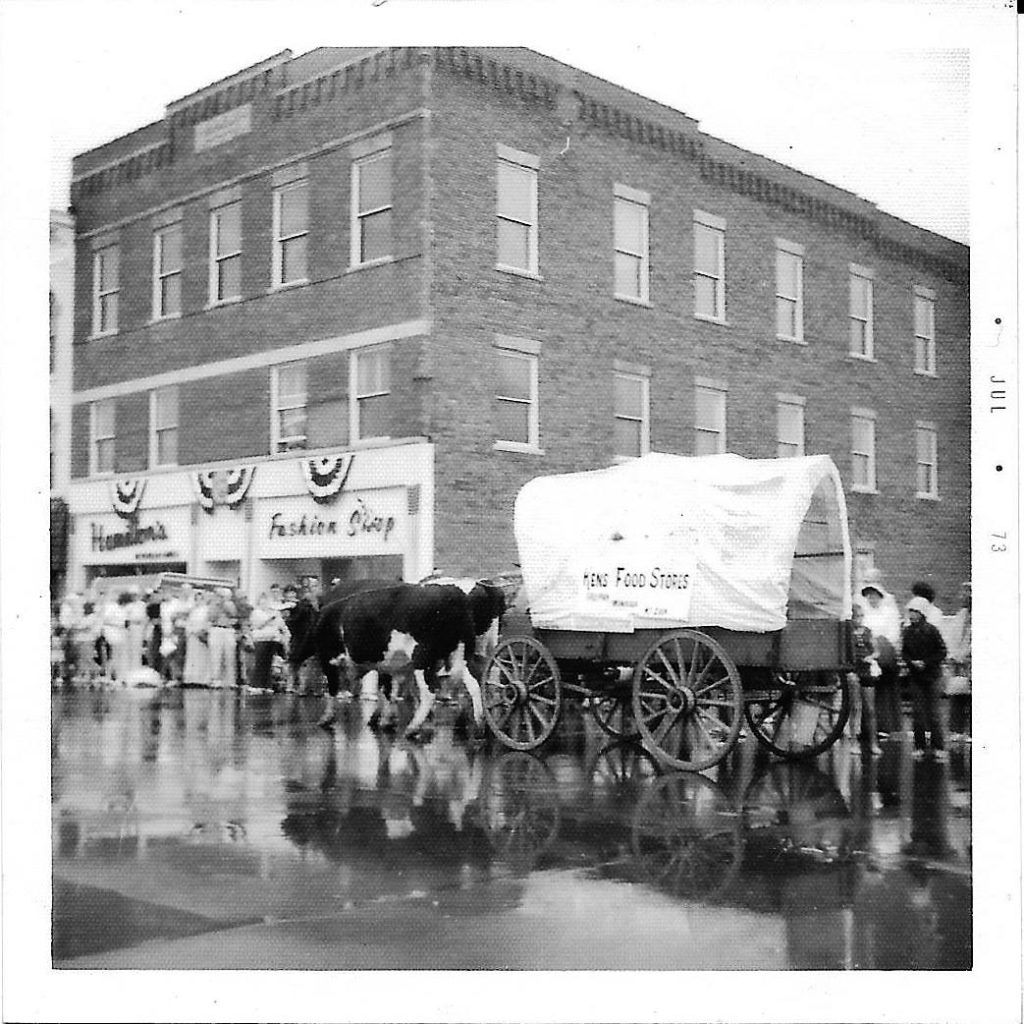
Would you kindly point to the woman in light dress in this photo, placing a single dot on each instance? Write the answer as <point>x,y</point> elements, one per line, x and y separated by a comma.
<point>197,650</point>
<point>115,632</point>
<point>882,617</point>
<point>136,631</point>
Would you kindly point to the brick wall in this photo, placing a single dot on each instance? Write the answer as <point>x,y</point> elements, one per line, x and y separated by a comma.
<point>582,329</point>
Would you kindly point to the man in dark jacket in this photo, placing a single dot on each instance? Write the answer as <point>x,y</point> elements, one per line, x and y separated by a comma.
<point>924,651</point>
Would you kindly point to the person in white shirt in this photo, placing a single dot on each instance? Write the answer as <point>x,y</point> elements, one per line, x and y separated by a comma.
<point>882,617</point>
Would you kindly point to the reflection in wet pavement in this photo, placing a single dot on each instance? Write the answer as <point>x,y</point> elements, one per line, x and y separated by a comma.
<point>212,829</point>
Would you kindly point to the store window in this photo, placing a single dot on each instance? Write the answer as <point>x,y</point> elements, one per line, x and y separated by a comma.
<point>289,400</point>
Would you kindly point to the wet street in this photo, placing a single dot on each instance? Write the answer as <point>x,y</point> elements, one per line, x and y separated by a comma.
<point>211,829</point>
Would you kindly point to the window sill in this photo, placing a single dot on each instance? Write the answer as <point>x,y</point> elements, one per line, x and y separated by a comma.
<point>108,475</point>
<point>791,341</point>
<point>162,319</point>
<point>100,337</point>
<point>530,275</point>
<point>855,357</point>
<point>926,373</point>
<point>234,300</point>
<point>928,497</point>
<point>371,442</point>
<point>711,320</point>
<point>369,264</point>
<point>631,300</point>
<point>518,447</point>
<point>287,286</point>
<point>617,460</point>
<point>854,489</point>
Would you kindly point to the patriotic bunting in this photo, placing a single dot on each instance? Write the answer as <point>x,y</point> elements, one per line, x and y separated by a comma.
<point>325,477</point>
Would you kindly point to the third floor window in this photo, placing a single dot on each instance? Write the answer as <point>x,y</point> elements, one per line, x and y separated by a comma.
<point>632,256</point>
<point>106,286</point>
<point>517,211</point>
<point>226,253</point>
<point>291,233</point>
<point>708,266</point>
<point>167,272</point>
<point>371,208</point>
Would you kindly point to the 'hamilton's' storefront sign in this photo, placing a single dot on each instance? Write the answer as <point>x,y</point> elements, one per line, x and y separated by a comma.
<point>131,536</point>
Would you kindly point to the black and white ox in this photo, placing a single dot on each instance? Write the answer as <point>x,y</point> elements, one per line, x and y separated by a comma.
<point>406,630</point>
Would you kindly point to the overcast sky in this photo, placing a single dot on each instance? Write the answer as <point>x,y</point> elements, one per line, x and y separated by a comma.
<point>817,86</point>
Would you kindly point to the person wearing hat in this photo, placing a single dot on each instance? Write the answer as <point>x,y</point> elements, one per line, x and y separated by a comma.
<point>924,651</point>
<point>882,619</point>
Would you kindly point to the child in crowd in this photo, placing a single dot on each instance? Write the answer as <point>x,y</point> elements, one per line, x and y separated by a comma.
<point>863,720</point>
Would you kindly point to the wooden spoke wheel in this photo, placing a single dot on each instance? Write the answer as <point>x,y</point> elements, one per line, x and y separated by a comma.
<point>520,809</point>
<point>687,700</point>
<point>613,712</point>
<point>799,714</point>
<point>687,837</point>
<point>522,693</point>
<point>622,768</point>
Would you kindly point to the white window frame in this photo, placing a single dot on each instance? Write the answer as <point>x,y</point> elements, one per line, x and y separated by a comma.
<point>155,429</point>
<point>925,295</point>
<point>278,257</point>
<point>795,250</point>
<point>160,274</point>
<point>868,275</point>
<point>276,408</point>
<point>715,387</point>
<point>644,380</point>
<point>790,402</point>
<point>922,427</point>
<point>357,215</point>
<point>94,438</point>
<point>529,350</point>
<point>530,163</point>
<point>710,222</point>
<point>354,430</point>
<point>216,258</point>
<point>635,198</point>
<point>98,295</point>
<point>868,416</point>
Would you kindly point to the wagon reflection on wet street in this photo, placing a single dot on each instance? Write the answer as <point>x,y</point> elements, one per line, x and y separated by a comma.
<point>196,829</point>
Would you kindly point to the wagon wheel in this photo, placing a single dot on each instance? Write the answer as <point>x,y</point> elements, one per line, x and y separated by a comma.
<point>687,700</point>
<point>623,768</point>
<point>520,809</point>
<point>522,693</point>
<point>799,714</point>
<point>613,712</point>
<point>687,837</point>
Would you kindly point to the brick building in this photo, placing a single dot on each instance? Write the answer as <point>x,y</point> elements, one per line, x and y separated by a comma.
<point>440,272</point>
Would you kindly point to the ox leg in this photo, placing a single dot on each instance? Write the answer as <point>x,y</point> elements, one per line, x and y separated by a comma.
<point>424,707</point>
<point>385,717</point>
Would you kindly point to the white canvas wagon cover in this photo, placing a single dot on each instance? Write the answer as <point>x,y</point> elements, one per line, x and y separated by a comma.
<point>668,540</point>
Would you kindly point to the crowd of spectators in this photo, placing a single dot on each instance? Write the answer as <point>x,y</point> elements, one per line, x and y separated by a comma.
<point>188,635</point>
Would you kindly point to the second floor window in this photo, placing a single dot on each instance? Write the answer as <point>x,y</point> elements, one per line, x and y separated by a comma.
<point>789,292</point>
<point>862,340</point>
<point>790,422</point>
<point>163,417</point>
<point>924,332</point>
<point>862,451</point>
<point>103,436</point>
<point>517,212</point>
<point>289,396</point>
<point>927,461</point>
<point>167,272</point>
<point>632,274</point>
<point>709,420</point>
<point>291,233</point>
<point>371,393</point>
<point>708,266</point>
<point>226,253</point>
<point>371,208</point>
<point>632,415</point>
<point>106,278</point>
<point>516,399</point>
